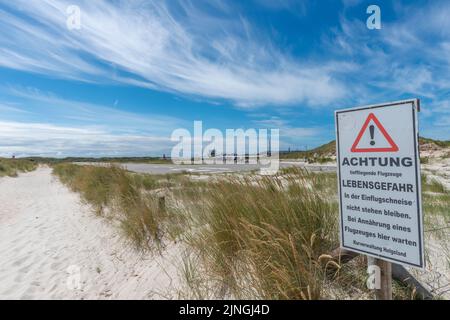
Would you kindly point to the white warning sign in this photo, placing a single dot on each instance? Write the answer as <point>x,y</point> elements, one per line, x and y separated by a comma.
<point>379,181</point>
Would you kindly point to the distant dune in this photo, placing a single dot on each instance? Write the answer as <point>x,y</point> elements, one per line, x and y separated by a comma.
<point>328,150</point>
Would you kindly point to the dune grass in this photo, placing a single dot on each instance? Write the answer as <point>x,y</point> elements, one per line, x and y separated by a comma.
<point>431,185</point>
<point>258,237</point>
<point>247,236</point>
<point>12,167</point>
<point>436,199</point>
<point>115,193</point>
<point>269,238</point>
<point>436,208</point>
<point>264,237</point>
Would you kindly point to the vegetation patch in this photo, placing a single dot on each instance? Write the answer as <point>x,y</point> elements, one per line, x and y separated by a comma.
<point>12,167</point>
<point>246,236</point>
<point>263,237</point>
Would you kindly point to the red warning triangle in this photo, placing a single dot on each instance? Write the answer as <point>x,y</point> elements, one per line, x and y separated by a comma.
<point>393,147</point>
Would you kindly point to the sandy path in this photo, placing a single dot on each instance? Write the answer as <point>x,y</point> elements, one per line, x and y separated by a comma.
<point>53,247</point>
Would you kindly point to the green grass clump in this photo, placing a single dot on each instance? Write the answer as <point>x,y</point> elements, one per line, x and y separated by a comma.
<point>115,192</point>
<point>12,167</point>
<point>436,206</point>
<point>432,185</point>
<point>264,242</point>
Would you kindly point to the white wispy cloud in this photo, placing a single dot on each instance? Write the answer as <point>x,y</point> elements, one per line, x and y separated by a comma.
<point>286,128</point>
<point>293,6</point>
<point>43,139</point>
<point>291,135</point>
<point>407,57</point>
<point>52,126</point>
<point>39,105</point>
<point>150,45</point>
<point>5,107</point>
<point>44,124</point>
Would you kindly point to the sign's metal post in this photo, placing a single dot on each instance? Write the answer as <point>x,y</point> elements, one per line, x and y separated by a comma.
<point>384,292</point>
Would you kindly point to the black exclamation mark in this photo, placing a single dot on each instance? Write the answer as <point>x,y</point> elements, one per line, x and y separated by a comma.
<point>372,132</point>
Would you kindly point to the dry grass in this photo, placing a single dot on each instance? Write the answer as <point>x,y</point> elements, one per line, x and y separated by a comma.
<point>436,203</point>
<point>247,236</point>
<point>263,237</point>
<point>11,167</point>
<point>436,208</point>
<point>432,185</point>
<point>268,238</point>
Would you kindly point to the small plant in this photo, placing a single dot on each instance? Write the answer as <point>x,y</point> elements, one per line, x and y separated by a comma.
<point>432,185</point>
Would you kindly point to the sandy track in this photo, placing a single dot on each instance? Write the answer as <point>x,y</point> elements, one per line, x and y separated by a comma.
<point>49,240</point>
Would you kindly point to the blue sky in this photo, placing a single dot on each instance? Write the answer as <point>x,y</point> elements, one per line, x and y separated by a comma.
<point>137,70</point>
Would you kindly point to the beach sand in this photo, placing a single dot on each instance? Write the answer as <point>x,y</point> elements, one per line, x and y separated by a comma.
<point>53,247</point>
